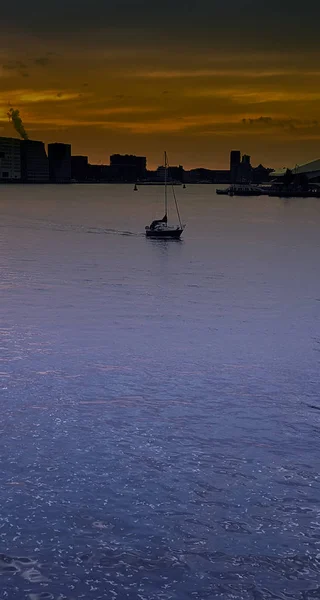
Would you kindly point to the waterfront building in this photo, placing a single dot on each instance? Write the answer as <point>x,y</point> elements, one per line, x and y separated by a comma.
<point>79,168</point>
<point>310,170</point>
<point>235,161</point>
<point>34,162</point>
<point>127,167</point>
<point>10,159</point>
<point>244,169</point>
<point>99,174</point>
<point>59,156</point>
<point>173,174</point>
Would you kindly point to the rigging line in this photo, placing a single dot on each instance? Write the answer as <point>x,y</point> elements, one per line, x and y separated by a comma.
<point>175,199</point>
<point>165,184</point>
<point>177,209</point>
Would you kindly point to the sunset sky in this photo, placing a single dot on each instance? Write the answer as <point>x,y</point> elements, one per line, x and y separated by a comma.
<point>194,78</point>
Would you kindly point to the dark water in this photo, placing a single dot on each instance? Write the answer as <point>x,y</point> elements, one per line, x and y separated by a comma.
<point>160,410</point>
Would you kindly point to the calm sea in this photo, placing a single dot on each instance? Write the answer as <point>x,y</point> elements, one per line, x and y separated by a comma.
<point>160,411</point>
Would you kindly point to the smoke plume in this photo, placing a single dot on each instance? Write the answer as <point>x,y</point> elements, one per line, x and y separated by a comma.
<point>14,116</point>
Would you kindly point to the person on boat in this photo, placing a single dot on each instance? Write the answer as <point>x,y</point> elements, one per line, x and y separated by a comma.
<point>157,221</point>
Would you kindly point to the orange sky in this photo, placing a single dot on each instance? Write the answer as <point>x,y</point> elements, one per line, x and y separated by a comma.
<point>142,90</point>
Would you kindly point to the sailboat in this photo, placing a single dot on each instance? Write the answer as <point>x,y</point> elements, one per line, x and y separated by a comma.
<point>160,227</point>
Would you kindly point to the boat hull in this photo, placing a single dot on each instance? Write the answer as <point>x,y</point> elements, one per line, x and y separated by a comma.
<point>249,193</point>
<point>164,235</point>
<point>237,191</point>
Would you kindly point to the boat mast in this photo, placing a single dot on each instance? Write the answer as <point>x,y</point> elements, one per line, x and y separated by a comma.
<point>165,185</point>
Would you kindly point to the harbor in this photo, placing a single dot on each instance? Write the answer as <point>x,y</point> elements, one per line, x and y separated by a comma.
<point>303,181</point>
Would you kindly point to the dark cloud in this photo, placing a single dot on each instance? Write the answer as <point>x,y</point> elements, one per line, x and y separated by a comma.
<point>258,121</point>
<point>21,67</point>
<point>209,22</point>
<point>17,67</point>
<point>284,123</point>
<point>14,65</point>
<point>42,61</point>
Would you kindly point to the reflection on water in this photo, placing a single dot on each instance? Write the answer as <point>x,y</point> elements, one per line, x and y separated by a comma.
<point>159,401</point>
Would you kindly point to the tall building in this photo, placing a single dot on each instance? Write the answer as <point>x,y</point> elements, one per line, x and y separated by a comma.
<point>34,162</point>
<point>128,167</point>
<point>59,156</point>
<point>79,168</point>
<point>235,161</point>
<point>10,160</point>
<point>245,169</point>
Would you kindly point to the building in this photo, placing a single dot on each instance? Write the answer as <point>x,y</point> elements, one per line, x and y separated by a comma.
<point>34,162</point>
<point>310,170</point>
<point>173,174</point>
<point>59,156</point>
<point>244,169</point>
<point>235,161</point>
<point>99,173</point>
<point>260,174</point>
<point>127,167</point>
<point>202,175</point>
<point>199,175</point>
<point>79,168</point>
<point>10,159</point>
<point>220,176</point>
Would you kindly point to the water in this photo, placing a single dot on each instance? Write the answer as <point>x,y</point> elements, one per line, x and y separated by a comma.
<point>160,414</point>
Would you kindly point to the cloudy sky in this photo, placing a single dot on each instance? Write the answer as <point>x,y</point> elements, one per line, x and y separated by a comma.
<point>194,78</point>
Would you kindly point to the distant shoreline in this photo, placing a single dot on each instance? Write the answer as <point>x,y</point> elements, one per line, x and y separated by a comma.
<point>151,183</point>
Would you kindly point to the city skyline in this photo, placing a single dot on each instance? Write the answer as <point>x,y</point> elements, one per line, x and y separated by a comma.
<point>115,80</point>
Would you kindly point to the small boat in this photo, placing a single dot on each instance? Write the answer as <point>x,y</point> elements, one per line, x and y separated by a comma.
<point>245,189</point>
<point>241,189</point>
<point>160,228</point>
<point>135,189</point>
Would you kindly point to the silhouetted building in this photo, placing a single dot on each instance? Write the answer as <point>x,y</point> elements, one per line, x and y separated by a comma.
<point>99,173</point>
<point>245,168</point>
<point>173,174</point>
<point>260,174</point>
<point>59,156</point>
<point>202,175</point>
<point>10,159</point>
<point>79,168</point>
<point>199,175</point>
<point>235,160</point>
<point>127,167</point>
<point>34,162</point>
<point>221,176</point>
<point>310,171</point>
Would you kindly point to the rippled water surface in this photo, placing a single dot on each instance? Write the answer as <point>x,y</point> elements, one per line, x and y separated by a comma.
<point>160,410</point>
